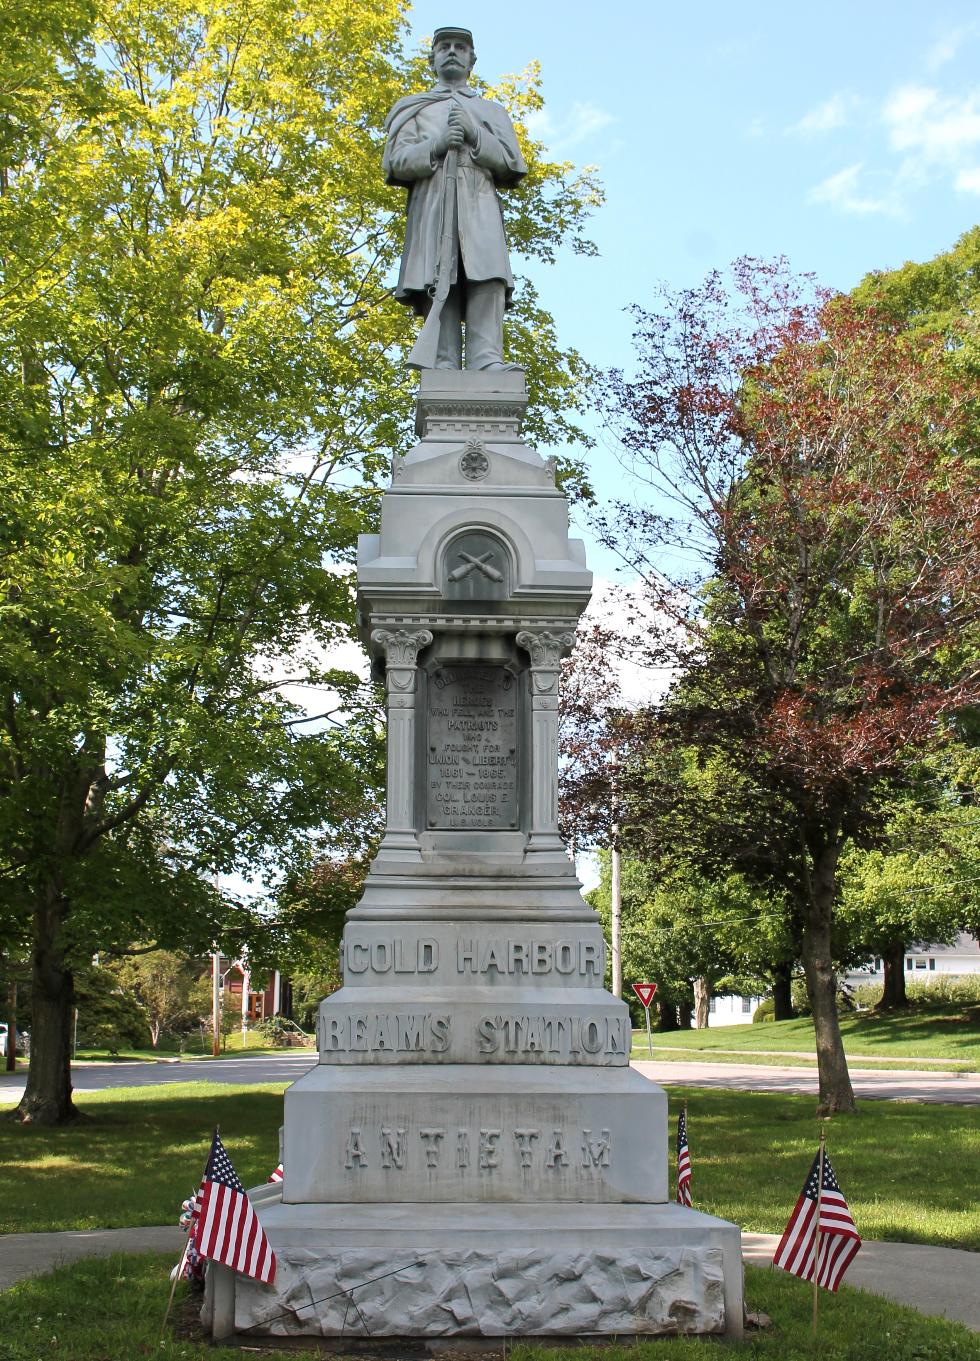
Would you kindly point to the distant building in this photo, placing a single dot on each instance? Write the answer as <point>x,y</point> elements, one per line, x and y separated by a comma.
<point>927,963</point>
<point>731,1010</point>
<point>276,999</point>
<point>923,964</point>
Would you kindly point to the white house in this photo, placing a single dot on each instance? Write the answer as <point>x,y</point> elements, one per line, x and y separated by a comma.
<point>731,1010</point>
<point>923,964</point>
<point>928,963</point>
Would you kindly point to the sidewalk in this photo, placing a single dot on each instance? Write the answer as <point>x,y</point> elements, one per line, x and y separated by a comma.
<point>944,1282</point>
<point>892,1084</point>
<point>853,1060</point>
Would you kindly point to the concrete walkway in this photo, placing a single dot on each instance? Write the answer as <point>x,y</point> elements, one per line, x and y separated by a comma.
<point>944,1282</point>
<point>940,1281</point>
<point>853,1060</point>
<point>954,1089</point>
<point>30,1254</point>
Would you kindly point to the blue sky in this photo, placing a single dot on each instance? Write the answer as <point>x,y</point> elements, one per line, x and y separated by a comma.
<point>844,136</point>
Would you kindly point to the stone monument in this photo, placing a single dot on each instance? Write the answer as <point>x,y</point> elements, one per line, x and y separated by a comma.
<point>473,1155</point>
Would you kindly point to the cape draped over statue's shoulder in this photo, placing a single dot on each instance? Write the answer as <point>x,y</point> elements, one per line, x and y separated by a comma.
<point>486,112</point>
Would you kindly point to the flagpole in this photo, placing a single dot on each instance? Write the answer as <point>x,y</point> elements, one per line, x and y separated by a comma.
<point>173,1284</point>
<point>816,1236</point>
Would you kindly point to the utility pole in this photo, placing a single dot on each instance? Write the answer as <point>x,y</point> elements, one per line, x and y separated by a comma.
<point>246,979</point>
<point>11,1064</point>
<point>216,1003</point>
<point>615,889</point>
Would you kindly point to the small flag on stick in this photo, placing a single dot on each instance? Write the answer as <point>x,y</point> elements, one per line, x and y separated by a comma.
<point>277,1174</point>
<point>820,1232</point>
<point>683,1161</point>
<point>226,1228</point>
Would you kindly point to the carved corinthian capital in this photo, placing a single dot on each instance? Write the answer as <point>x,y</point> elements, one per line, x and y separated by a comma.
<point>546,649</point>
<point>401,648</point>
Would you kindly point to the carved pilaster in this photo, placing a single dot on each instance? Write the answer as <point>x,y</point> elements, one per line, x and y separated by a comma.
<point>401,649</point>
<point>546,651</point>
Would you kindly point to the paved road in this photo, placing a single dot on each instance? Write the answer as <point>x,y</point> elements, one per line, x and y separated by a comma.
<point>957,1089</point>
<point>97,1077</point>
<point>960,1089</point>
<point>939,1281</point>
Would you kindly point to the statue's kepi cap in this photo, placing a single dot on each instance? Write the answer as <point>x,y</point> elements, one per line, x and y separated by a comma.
<point>453,32</point>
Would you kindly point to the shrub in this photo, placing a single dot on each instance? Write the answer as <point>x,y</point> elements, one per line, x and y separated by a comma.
<point>765,1011</point>
<point>944,991</point>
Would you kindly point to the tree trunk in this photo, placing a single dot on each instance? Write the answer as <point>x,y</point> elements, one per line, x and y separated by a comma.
<point>702,1001</point>
<point>667,1016</point>
<point>684,1015</point>
<point>893,958</point>
<point>782,992</point>
<point>47,1097</point>
<point>836,1092</point>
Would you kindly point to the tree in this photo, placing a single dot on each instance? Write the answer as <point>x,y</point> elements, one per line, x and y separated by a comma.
<point>814,457</point>
<point>695,936</point>
<point>166,987</point>
<point>919,885</point>
<point>108,1015</point>
<point>201,387</point>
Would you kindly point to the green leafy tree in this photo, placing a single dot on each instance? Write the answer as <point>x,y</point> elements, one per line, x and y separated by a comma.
<point>110,1017</point>
<point>165,985</point>
<point>201,387</point>
<point>920,885</point>
<point>695,936</point>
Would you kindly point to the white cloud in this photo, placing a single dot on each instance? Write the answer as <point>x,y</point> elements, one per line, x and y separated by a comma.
<point>935,128</point>
<point>968,181</point>
<point>833,113</point>
<point>844,191</point>
<point>623,609</point>
<point>946,47</point>
<point>580,124</point>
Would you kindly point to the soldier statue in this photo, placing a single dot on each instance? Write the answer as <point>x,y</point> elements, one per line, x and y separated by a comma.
<point>452,151</point>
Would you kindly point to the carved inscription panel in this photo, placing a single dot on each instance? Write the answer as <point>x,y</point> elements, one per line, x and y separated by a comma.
<point>471,749</point>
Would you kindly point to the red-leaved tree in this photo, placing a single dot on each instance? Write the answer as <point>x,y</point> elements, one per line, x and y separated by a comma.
<point>811,538</point>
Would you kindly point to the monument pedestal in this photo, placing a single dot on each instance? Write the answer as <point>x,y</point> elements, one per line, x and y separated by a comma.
<point>473,1155</point>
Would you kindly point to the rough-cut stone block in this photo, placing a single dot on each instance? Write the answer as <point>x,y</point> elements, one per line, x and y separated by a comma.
<point>441,1271</point>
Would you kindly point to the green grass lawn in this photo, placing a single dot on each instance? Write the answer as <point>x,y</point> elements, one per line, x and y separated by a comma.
<point>949,1034</point>
<point>909,1171</point>
<point>110,1309</point>
<point>135,1157</point>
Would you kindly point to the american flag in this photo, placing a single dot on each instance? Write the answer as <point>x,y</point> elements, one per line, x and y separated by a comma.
<point>277,1174</point>
<point>839,1238</point>
<point>226,1228</point>
<point>683,1162</point>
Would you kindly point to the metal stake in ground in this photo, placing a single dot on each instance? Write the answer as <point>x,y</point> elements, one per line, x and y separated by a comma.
<point>816,1236</point>
<point>645,992</point>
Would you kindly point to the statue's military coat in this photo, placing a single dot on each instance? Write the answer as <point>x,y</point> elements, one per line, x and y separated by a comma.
<point>409,160</point>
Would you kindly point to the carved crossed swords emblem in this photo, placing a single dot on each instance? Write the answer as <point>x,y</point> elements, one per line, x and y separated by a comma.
<point>473,564</point>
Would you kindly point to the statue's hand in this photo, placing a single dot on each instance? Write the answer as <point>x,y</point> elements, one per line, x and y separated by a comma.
<point>449,137</point>
<point>456,131</point>
<point>459,117</point>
